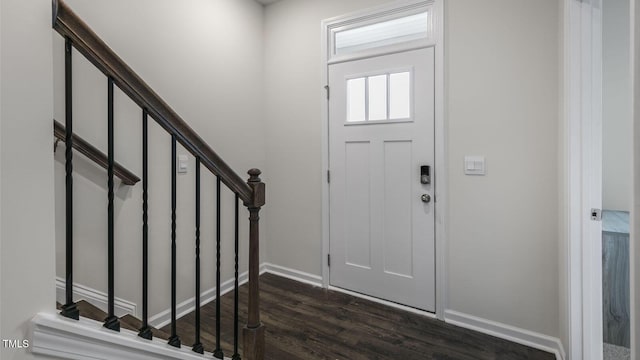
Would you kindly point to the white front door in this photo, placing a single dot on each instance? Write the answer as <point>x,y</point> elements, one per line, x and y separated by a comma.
<point>381,135</point>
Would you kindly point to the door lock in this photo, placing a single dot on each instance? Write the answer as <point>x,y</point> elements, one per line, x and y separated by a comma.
<point>426,198</point>
<point>425,174</point>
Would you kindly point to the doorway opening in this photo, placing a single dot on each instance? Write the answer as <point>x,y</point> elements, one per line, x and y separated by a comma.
<point>617,175</point>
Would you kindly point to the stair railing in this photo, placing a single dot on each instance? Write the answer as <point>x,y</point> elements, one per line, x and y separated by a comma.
<point>93,154</point>
<point>79,36</point>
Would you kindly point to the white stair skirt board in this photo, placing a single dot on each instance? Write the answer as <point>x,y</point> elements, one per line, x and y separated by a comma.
<point>96,298</point>
<point>163,318</point>
<point>507,332</point>
<point>55,335</point>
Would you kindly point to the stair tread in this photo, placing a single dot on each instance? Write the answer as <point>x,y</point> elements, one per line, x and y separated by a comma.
<point>129,322</point>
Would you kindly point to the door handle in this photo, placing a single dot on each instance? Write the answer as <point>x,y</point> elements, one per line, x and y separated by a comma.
<point>426,198</point>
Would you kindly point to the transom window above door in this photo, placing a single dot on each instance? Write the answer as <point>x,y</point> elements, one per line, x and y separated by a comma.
<point>392,30</point>
<point>379,97</point>
<point>384,33</point>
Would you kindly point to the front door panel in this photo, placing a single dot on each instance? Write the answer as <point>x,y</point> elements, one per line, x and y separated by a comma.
<point>381,131</point>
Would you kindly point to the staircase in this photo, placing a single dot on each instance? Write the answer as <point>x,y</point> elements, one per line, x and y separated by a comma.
<point>54,335</point>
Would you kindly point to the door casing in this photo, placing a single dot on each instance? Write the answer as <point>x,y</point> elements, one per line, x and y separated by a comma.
<point>440,168</point>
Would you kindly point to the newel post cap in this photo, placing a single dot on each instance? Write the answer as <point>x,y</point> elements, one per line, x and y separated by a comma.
<point>254,175</point>
<point>258,188</point>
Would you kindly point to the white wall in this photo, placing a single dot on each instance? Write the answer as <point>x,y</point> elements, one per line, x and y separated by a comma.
<point>502,69</point>
<point>616,101</point>
<point>26,171</point>
<point>204,58</point>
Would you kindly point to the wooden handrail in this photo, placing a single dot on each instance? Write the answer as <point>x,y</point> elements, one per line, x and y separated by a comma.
<point>69,25</point>
<point>95,155</point>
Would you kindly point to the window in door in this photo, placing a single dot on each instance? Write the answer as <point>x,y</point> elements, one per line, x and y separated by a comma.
<point>379,97</point>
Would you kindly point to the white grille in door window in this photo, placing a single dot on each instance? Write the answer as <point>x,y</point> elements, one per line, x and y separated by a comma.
<point>379,97</point>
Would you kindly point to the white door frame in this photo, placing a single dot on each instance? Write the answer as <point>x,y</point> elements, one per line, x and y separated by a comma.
<point>634,248</point>
<point>583,176</point>
<point>440,169</point>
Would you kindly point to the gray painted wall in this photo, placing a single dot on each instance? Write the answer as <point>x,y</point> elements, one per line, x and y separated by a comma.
<point>26,169</point>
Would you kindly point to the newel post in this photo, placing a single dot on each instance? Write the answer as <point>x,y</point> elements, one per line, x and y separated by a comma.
<point>253,333</point>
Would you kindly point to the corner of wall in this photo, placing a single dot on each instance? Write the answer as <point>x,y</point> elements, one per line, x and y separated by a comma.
<point>27,251</point>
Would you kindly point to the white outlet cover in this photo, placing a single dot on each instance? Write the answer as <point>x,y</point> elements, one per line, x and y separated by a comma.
<point>474,165</point>
<point>183,164</point>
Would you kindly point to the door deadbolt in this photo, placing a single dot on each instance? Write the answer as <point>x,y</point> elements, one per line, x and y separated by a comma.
<point>425,174</point>
<point>426,198</point>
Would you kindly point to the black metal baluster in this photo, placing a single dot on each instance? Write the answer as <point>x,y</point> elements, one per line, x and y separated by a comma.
<point>174,340</point>
<point>218,351</point>
<point>111,322</point>
<point>145,330</point>
<point>236,294</point>
<point>69,309</point>
<point>197,346</point>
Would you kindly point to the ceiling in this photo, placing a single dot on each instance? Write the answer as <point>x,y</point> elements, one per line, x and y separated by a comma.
<point>266,2</point>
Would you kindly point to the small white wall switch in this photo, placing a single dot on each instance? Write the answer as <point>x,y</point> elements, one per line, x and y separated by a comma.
<point>474,165</point>
<point>183,164</point>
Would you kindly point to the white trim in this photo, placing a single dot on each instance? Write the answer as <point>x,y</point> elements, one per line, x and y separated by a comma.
<point>582,188</point>
<point>507,332</point>
<point>57,336</point>
<point>572,53</point>
<point>163,318</point>
<point>324,111</point>
<point>634,264</point>
<point>292,274</point>
<point>441,174</point>
<point>96,298</point>
<point>440,178</point>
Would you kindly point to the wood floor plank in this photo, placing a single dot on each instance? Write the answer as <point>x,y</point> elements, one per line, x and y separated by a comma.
<point>306,322</point>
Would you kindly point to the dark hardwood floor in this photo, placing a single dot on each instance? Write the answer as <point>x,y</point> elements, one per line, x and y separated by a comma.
<point>306,322</point>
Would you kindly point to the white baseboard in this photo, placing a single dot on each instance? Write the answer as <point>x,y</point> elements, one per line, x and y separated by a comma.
<point>292,274</point>
<point>164,318</point>
<point>94,297</point>
<point>57,336</point>
<point>507,332</point>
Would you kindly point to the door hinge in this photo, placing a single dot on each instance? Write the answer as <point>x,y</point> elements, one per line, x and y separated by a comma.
<point>596,214</point>
<point>329,260</point>
<point>329,176</point>
<point>326,87</point>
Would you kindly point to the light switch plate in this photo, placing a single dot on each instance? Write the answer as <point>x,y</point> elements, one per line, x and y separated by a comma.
<point>183,164</point>
<point>474,165</point>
